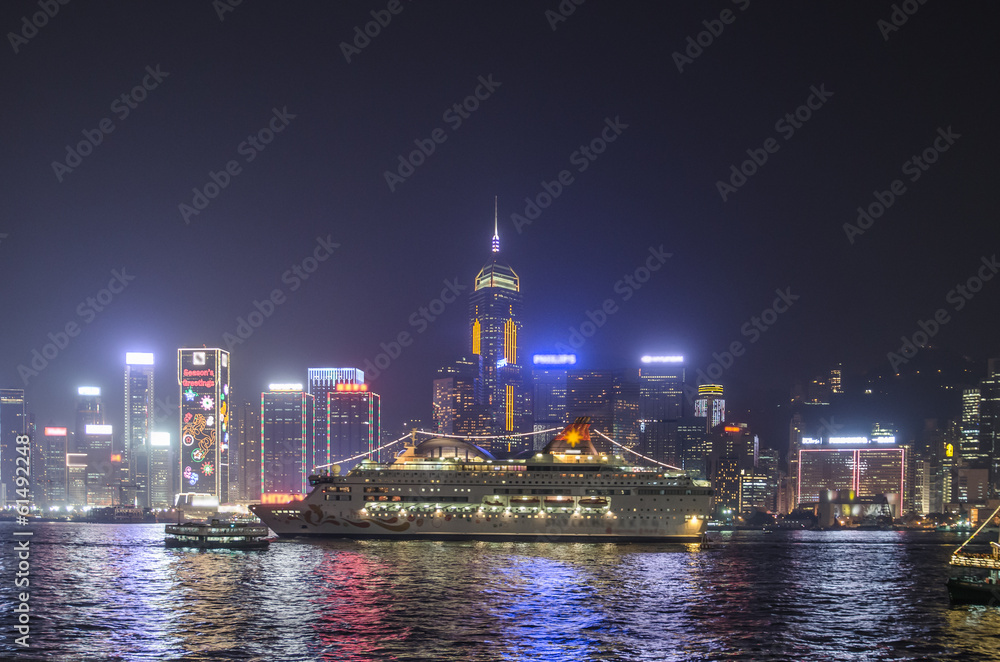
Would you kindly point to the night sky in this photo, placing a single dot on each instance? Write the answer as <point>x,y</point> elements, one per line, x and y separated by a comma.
<point>548,86</point>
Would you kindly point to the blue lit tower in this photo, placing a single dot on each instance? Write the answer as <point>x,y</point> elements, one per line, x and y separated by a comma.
<point>495,328</point>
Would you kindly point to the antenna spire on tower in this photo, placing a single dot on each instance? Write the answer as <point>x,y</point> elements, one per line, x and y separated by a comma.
<point>496,234</point>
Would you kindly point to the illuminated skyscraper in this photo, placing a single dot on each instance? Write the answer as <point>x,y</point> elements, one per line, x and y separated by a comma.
<point>355,424</point>
<point>52,481</point>
<point>89,411</point>
<point>969,447</point>
<point>160,470</point>
<point>989,420</point>
<point>12,424</point>
<point>286,428</point>
<point>710,405</point>
<point>245,434</point>
<point>457,398</point>
<point>320,383</point>
<point>139,405</point>
<point>661,406</point>
<point>549,385</point>
<point>495,329</point>
<point>203,378</point>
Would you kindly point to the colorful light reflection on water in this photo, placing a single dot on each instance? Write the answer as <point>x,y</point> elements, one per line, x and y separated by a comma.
<point>113,592</point>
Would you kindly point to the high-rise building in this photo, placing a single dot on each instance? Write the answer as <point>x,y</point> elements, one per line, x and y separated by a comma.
<point>692,438</point>
<point>12,425</point>
<point>969,445</point>
<point>102,474</point>
<point>321,382</point>
<point>89,411</point>
<point>355,424</point>
<point>203,378</point>
<point>76,479</point>
<point>457,398</point>
<point>989,421</point>
<point>139,406</point>
<point>495,330</point>
<point>711,405</point>
<point>286,428</point>
<point>866,466</point>
<point>591,393</point>
<point>161,469</point>
<point>50,486</point>
<point>661,406</point>
<point>245,430</point>
<point>548,381</point>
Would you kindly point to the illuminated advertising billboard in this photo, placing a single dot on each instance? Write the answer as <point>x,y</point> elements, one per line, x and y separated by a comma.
<point>203,376</point>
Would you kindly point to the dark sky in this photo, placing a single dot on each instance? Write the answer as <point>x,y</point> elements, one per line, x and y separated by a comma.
<point>882,101</point>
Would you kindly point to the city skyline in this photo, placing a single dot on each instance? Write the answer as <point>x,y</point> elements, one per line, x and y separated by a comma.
<point>606,155</point>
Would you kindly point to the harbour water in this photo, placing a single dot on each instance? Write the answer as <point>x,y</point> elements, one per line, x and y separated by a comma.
<point>113,592</point>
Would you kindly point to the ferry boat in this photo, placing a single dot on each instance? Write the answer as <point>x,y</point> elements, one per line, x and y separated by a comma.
<point>978,589</point>
<point>449,488</point>
<point>216,535</point>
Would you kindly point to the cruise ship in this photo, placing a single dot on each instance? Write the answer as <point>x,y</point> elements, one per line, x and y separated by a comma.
<point>448,488</point>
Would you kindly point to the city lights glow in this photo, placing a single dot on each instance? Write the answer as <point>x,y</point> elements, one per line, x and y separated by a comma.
<point>662,359</point>
<point>554,359</point>
<point>139,358</point>
<point>55,432</point>
<point>88,390</point>
<point>97,429</point>
<point>284,387</point>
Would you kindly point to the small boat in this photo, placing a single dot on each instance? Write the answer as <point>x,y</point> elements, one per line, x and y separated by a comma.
<point>217,535</point>
<point>593,502</point>
<point>977,590</point>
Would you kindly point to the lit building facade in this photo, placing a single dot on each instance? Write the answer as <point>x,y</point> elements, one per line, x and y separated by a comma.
<point>245,431</point>
<point>867,467</point>
<point>203,378</point>
<point>495,312</point>
<point>286,428</point>
<point>102,474</point>
<point>661,406</point>
<point>710,405</point>
<point>161,470</point>
<point>89,411</point>
<point>548,394</point>
<point>989,421</point>
<point>320,383</point>
<point>139,406</point>
<point>12,424</point>
<point>52,481</point>
<point>355,424</point>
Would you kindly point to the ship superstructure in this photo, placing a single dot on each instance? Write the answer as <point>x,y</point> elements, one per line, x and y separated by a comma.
<point>446,488</point>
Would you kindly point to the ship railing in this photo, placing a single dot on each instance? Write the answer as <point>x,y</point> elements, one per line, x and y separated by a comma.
<point>971,560</point>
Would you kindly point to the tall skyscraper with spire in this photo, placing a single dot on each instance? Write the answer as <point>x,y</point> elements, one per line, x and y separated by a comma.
<point>495,310</point>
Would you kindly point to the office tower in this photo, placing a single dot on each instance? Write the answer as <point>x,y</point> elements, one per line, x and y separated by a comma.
<point>836,380</point>
<point>89,411</point>
<point>661,405</point>
<point>692,438</point>
<point>51,484</point>
<point>456,400</point>
<point>12,425</point>
<point>245,428</point>
<point>320,382</point>
<point>969,445</point>
<point>161,465</point>
<point>869,467</point>
<point>203,379</point>
<point>710,405</point>
<point>627,425</point>
<point>139,406</point>
<point>101,473</point>
<point>548,393</point>
<point>989,421</point>
<point>355,424</point>
<point>76,479</point>
<point>591,393</point>
<point>495,329</point>
<point>286,428</point>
